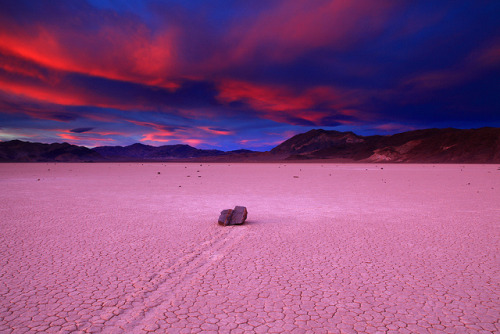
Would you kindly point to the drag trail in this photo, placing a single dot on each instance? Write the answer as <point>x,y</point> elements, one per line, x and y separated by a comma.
<point>148,305</point>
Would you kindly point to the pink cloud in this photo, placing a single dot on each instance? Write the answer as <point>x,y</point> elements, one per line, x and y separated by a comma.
<point>158,136</point>
<point>281,103</point>
<point>215,131</point>
<point>165,137</point>
<point>87,139</point>
<point>193,142</point>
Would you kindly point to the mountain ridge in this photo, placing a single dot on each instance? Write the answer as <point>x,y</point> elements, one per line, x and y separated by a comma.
<point>446,145</point>
<point>21,151</point>
<point>146,152</point>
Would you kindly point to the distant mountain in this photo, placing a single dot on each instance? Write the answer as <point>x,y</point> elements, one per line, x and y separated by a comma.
<point>146,152</point>
<point>430,145</point>
<point>420,146</point>
<point>21,151</point>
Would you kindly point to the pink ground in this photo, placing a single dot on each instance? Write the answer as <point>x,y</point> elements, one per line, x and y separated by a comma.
<point>341,248</point>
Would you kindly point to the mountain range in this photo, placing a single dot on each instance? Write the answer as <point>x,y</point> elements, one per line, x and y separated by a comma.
<point>419,146</point>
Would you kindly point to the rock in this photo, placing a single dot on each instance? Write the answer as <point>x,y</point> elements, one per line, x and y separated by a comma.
<point>225,217</point>
<point>237,216</point>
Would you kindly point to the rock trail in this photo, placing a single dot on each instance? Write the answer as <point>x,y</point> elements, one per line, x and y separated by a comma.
<point>153,303</point>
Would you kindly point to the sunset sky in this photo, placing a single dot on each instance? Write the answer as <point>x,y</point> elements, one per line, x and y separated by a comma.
<point>243,74</point>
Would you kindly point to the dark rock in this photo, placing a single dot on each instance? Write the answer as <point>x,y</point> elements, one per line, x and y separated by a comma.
<point>225,217</point>
<point>237,216</point>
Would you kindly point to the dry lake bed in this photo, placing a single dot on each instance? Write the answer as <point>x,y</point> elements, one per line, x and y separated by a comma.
<point>327,248</point>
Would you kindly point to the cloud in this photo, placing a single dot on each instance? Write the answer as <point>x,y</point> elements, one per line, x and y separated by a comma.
<point>87,137</point>
<point>313,106</point>
<point>89,141</point>
<point>12,134</point>
<point>216,131</point>
<point>62,117</point>
<point>81,130</point>
<point>474,65</point>
<point>291,29</point>
<point>188,134</point>
<point>91,42</point>
<point>81,90</point>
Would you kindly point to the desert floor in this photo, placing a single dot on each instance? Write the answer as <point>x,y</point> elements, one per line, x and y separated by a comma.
<point>334,248</point>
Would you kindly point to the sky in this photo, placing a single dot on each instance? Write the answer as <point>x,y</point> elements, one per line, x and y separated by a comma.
<point>239,74</point>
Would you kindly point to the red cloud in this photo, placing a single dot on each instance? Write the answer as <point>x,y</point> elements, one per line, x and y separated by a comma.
<point>66,95</point>
<point>125,50</point>
<point>63,92</point>
<point>68,136</point>
<point>297,26</point>
<point>17,66</point>
<point>280,103</point>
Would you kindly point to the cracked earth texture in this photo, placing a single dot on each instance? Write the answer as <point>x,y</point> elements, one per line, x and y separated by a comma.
<point>121,248</point>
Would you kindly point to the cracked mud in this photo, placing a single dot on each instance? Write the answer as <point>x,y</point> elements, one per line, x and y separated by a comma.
<point>122,248</point>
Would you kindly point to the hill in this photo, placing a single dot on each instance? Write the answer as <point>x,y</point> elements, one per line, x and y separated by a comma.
<point>430,145</point>
<point>143,152</point>
<point>21,151</point>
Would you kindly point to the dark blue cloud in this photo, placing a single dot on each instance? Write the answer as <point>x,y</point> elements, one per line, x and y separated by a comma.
<point>81,130</point>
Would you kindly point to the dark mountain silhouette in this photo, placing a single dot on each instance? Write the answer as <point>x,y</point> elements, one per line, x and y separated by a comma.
<point>423,146</point>
<point>21,151</point>
<point>146,152</point>
<point>430,145</point>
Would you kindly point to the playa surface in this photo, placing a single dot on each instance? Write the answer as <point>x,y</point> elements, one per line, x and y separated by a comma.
<point>327,248</point>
